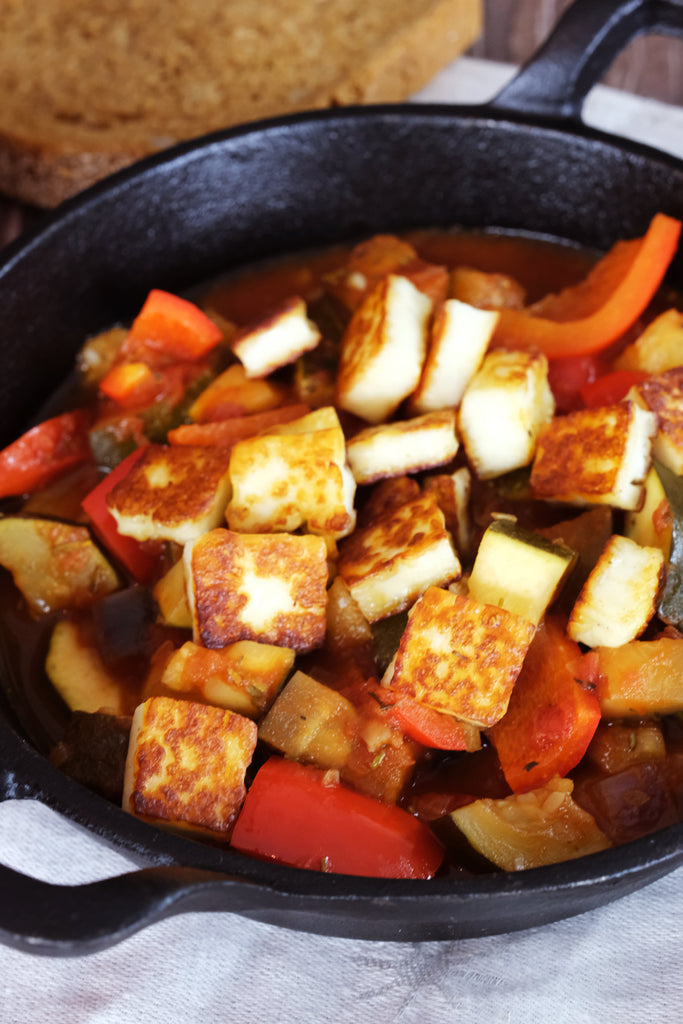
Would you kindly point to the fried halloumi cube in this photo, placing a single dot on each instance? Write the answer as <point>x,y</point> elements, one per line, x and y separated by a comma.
<point>452,492</point>
<point>264,587</point>
<point>505,405</point>
<point>663,395</point>
<point>458,339</point>
<point>620,595</point>
<point>595,457</point>
<point>391,559</point>
<point>383,350</point>
<point>293,475</point>
<point>658,348</point>
<point>172,493</point>
<point>186,765</point>
<point>244,677</point>
<point>407,446</point>
<point>278,340</point>
<point>461,657</point>
<point>519,570</point>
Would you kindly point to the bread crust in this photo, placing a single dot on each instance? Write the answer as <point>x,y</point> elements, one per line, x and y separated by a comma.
<point>88,89</point>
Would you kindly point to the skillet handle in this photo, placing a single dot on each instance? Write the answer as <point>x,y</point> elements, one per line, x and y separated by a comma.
<point>72,920</point>
<point>581,47</point>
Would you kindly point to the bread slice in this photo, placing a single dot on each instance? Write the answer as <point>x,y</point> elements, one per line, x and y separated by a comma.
<point>88,88</point>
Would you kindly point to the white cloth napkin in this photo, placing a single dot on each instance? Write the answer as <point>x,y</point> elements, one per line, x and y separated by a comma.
<point>620,964</point>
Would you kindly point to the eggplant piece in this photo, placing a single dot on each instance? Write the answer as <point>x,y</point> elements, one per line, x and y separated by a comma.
<point>122,622</point>
<point>671,603</point>
<point>93,752</point>
<point>54,564</point>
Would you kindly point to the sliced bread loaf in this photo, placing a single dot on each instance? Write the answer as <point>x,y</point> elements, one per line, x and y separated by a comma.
<point>88,87</point>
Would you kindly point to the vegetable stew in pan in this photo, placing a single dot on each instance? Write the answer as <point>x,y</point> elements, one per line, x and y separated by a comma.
<point>368,561</point>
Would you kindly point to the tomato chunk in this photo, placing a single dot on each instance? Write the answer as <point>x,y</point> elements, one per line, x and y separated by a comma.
<point>551,718</point>
<point>292,816</point>
<point>173,325</point>
<point>44,452</point>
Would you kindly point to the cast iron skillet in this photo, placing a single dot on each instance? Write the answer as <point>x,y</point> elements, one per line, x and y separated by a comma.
<point>524,162</point>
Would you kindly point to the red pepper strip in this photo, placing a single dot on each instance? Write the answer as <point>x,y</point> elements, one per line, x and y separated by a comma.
<point>141,560</point>
<point>551,718</point>
<point>291,816</point>
<point>591,315</point>
<point>172,325</point>
<point>44,452</point>
<point>610,388</point>
<point>427,726</point>
<point>229,432</point>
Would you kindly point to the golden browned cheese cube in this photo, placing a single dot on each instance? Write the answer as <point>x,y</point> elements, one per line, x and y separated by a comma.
<point>505,405</point>
<point>172,493</point>
<point>383,350</point>
<point>595,456</point>
<point>264,587</point>
<point>406,446</point>
<point>458,339</point>
<point>663,395</point>
<point>658,348</point>
<point>461,657</point>
<point>293,475</point>
<point>281,338</point>
<point>390,560</point>
<point>452,492</point>
<point>620,595</point>
<point>186,765</point>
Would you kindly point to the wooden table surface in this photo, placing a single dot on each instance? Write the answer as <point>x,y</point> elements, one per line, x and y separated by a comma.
<point>650,66</point>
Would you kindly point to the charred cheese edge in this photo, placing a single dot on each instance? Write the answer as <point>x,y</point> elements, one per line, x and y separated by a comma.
<point>390,560</point>
<point>278,340</point>
<point>663,396</point>
<point>620,595</point>
<point>383,350</point>
<point>186,765</point>
<point>461,657</point>
<point>291,476</point>
<point>174,493</point>
<point>406,446</point>
<point>503,409</point>
<point>458,341</point>
<point>265,587</point>
<point>595,457</point>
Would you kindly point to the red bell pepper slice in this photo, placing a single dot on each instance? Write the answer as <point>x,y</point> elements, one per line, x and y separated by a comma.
<point>44,452</point>
<point>592,314</point>
<point>293,816</point>
<point>174,326</point>
<point>142,560</point>
<point>610,388</point>
<point>228,432</point>
<point>425,725</point>
<point>551,718</point>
